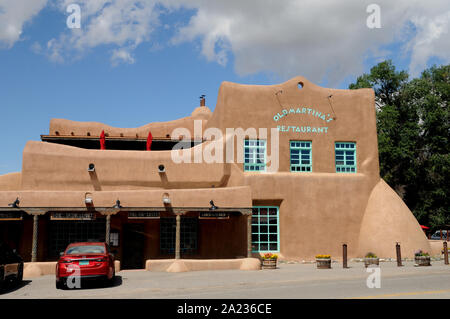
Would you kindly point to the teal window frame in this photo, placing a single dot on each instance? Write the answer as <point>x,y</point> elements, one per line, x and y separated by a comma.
<point>301,156</point>
<point>253,151</point>
<point>345,157</point>
<point>263,229</point>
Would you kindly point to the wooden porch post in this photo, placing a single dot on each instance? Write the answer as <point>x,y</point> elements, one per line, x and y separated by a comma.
<point>177,237</point>
<point>34,247</point>
<point>249,236</point>
<point>108,229</point>
<point>35,238</point>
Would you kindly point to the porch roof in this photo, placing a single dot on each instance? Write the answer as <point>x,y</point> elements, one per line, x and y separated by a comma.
<point>227,199</point>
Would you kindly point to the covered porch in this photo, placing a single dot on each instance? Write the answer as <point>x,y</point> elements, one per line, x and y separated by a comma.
<point>220,221</point>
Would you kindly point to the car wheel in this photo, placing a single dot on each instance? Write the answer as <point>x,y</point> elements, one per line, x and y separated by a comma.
<point>20,273</point>
<point>112,280</point>
<point>61,284</point>
<point>2,281</point>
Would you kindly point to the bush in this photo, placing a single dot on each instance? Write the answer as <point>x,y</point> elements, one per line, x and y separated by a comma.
<point>421,253</point>
<point>269,256</point>
<point>323,256</point>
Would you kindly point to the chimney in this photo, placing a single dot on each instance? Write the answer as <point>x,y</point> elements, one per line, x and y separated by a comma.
<point>202,100</point>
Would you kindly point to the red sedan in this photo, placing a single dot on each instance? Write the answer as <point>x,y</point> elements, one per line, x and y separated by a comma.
<point>91,260</point>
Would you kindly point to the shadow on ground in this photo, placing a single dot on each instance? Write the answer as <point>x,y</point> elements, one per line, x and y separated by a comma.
<point>99,284</point>
<point>12,286</point>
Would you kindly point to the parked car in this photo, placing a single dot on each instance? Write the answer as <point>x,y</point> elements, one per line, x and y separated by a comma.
<point>11,265</point>
<point>93,260</point>
<point>437,235</point>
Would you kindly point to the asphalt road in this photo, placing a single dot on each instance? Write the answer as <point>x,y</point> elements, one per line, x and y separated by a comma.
<point>298,281</point>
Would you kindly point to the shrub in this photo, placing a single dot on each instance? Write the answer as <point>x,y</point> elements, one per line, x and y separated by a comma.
<point>371,255</point>
<point>323,256</point>
<point>269,256</point>
<point>421,253</point>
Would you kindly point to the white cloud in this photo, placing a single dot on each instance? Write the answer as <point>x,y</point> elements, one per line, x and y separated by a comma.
<point>13,15</point>
<point>121,55</point>
<point>122,24</point>
<point>432,40</point>
<point>318,39</point>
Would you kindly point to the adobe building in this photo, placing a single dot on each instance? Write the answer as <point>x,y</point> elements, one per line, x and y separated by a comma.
<point>326,190</point>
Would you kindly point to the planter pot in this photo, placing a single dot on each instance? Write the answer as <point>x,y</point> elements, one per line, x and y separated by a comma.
<point>268,263</point>
<point>323,263</point>
<point>423,260</point>
<point>371,261</point>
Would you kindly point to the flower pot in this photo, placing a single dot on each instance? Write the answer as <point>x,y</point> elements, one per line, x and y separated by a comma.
<point>268,263</point>
<point>323,263</point>
<point>423,260</point>
<point>371,261</point>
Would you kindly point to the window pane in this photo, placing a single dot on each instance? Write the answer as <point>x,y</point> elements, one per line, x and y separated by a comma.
<point>265,232</point>
<point>345,157</point>
<point>263,220</point>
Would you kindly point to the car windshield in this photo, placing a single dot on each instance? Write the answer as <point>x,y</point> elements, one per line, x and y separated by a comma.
<point>89,249</point>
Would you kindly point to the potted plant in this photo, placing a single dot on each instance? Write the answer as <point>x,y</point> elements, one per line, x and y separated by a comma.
<point>269,261</point>
<point>422,258</point>
<point>323,261</point>
<point>371,259</point>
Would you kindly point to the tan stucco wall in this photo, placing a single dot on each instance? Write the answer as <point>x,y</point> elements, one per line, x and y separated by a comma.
<point>230,197</point>
<point>48,166</point>
<point>388,220</point>
<point>158,129</point>
<point>10,182</point>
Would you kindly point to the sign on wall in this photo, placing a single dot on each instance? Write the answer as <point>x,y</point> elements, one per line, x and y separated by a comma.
<point>5,216</point>
<point>71,216</point>
<point>302,111</point>
<point>143,215</point>
<point>214,215</point>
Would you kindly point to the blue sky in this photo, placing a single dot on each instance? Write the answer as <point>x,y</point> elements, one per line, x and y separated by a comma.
<point>87,85</point>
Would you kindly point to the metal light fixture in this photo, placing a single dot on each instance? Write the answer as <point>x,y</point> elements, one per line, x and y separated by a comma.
<point>88,200</point>
<point>91,167</point>
<point>213,207</point>
<point>161,168</point>
<point>15,204</point>
<point>166,199</point>
<point>117,205</point>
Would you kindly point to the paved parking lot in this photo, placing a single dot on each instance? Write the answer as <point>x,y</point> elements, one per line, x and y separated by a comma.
<point>289,281</point>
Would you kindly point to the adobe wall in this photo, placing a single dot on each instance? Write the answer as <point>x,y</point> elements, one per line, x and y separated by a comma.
<point>10,182</point>
<point>65,127</point>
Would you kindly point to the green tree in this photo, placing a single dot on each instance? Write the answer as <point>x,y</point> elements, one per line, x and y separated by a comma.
<point>413,134</point>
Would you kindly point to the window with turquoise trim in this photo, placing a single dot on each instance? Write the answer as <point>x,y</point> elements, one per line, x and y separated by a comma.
<point>254,155</point>
<point>345,153</point>
<point>265,229</point>
<point>301,159</point>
